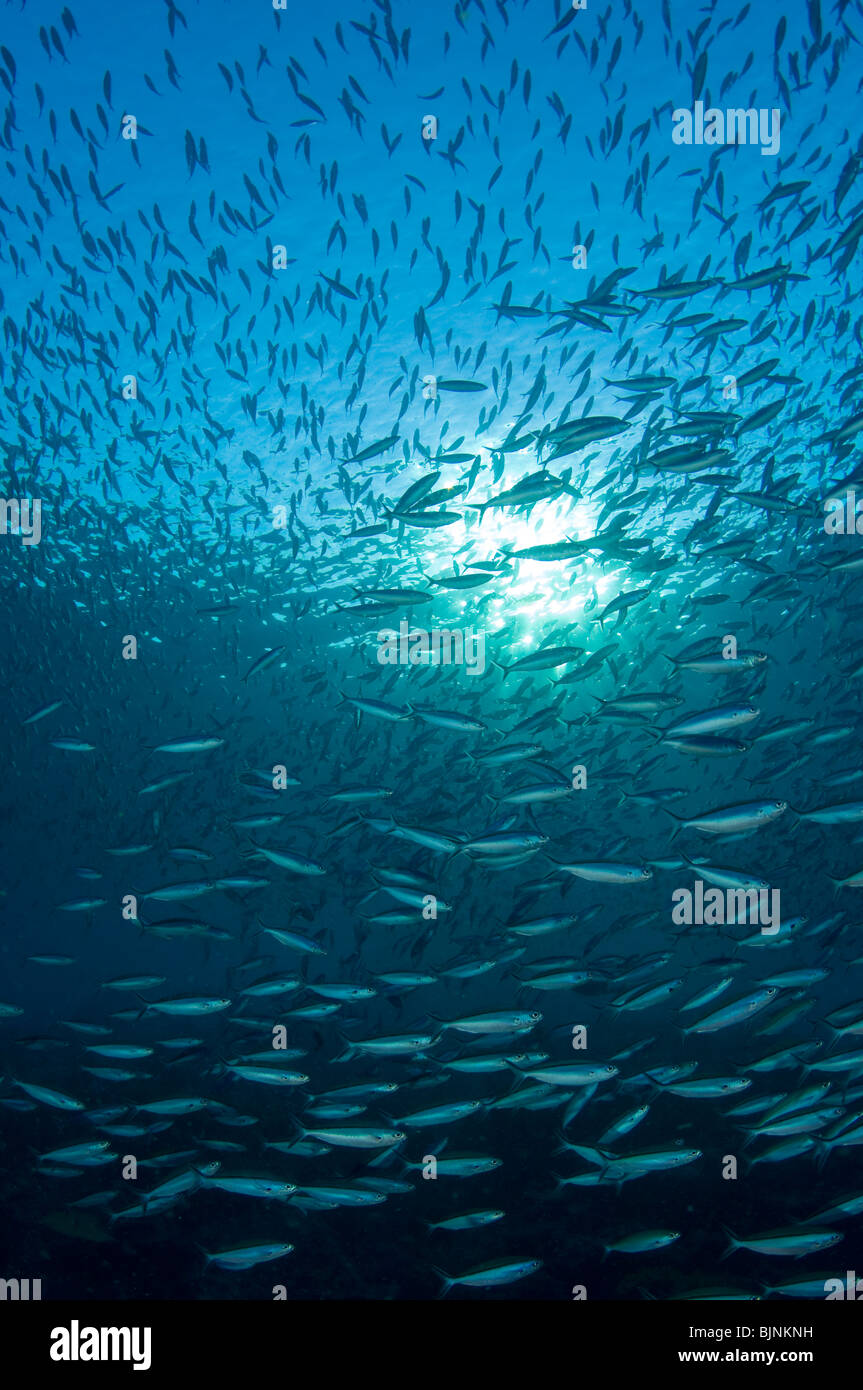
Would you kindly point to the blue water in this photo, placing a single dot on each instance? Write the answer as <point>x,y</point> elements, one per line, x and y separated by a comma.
<point>293,275</point>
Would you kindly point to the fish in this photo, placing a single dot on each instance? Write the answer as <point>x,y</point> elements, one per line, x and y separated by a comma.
<point>43,712</point>
<point>544,660</point>
<point>188,1008</point>
<point>608,872</point>
<point>288,859</point>
<point>468,1221</point>
<point>641,1241</point>
<point>732,820</point>
<point>261,663</point>
<point>742,1009</point>
<point>247,1256</point>
<point>265,1189</point>
<point>356,1137</point>
<point>793,1243</point>
<point>189,745</point>
<point>490,1276</point>
<point>58,1100</point>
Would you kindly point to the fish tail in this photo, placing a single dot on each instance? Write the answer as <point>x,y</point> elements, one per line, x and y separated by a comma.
<point>834,1032</point>
<point>146,1004</point>
<point>447,1282</point>
<point>350,1051</point>
<point>679,819</point>
<point>733,1244</point>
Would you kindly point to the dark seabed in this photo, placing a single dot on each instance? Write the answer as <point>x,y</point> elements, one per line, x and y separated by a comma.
<point>432,649</point>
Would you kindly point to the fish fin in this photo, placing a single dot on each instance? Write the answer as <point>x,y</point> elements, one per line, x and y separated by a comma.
<point>206,1254</point>
<point>678,827</point>
<point>598,1157</point>
<point>734,1244</point>
<point>835,1033</point>
<point>447,1282</point>
<point>823,1151</point>
<point>350,1051</point>
<point>146,1007</point>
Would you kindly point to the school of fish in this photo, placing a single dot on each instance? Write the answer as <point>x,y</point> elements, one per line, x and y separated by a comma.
<point>328,337</point>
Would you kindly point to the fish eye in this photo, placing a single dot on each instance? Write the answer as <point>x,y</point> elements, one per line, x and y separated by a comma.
<point>610,1067</point>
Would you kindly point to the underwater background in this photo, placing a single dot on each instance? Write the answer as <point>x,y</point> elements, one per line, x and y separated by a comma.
<point>428,553</point>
